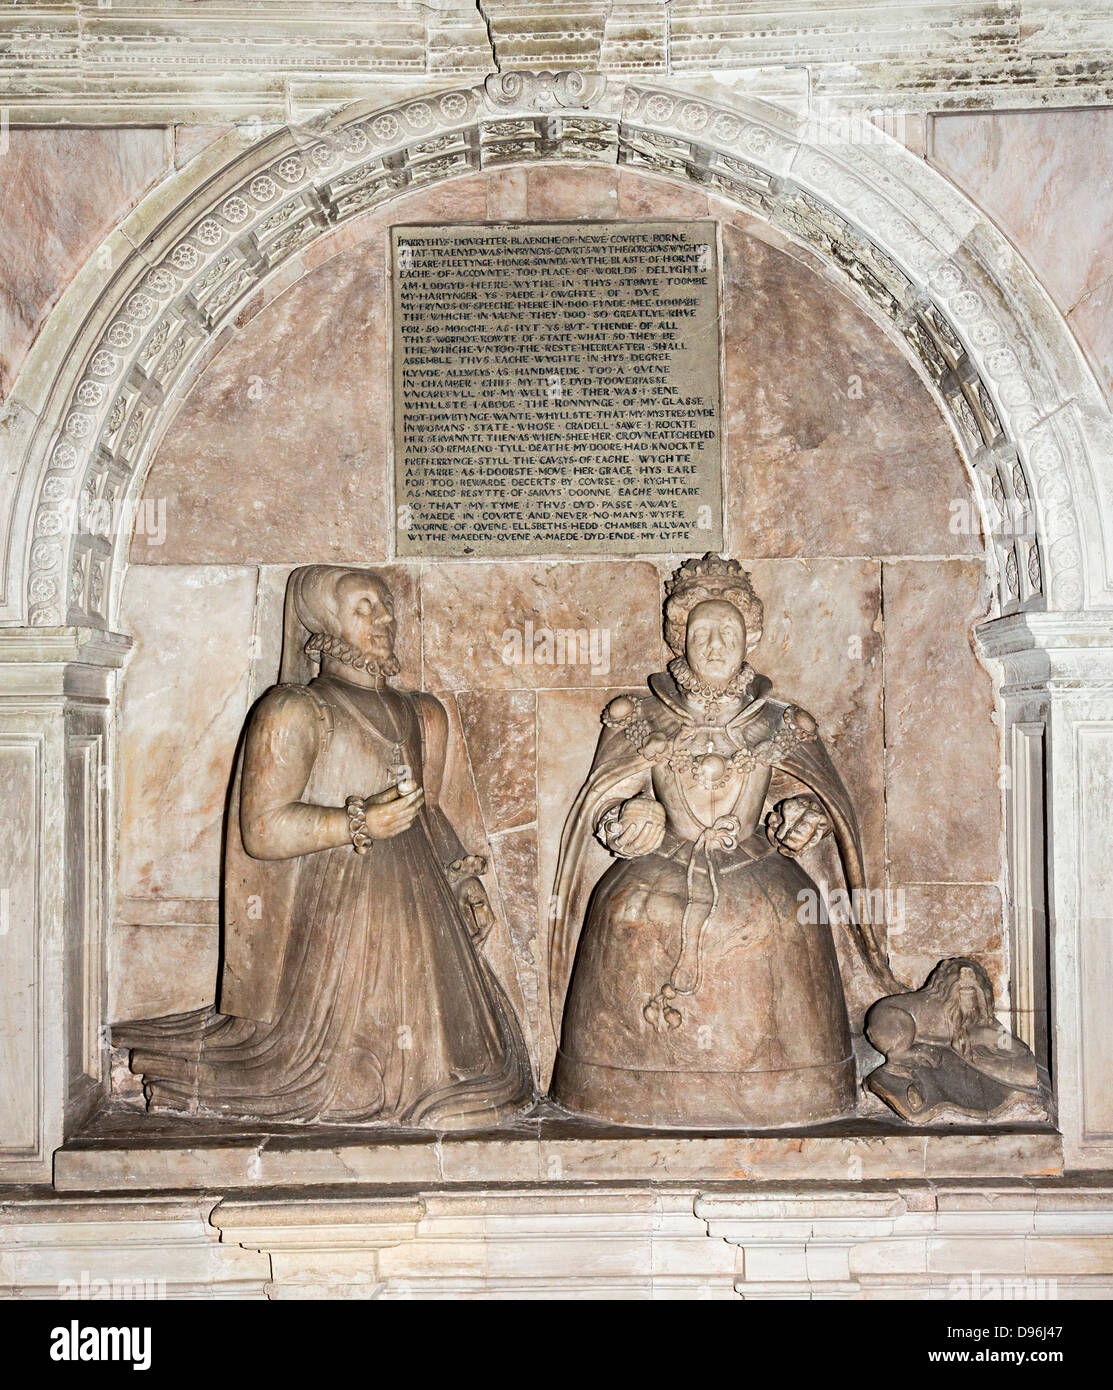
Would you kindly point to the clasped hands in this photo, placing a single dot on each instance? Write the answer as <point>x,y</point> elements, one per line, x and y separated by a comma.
<point>636,827</point>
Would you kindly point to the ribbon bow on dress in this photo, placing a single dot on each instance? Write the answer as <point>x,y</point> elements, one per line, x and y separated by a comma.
<point>703,896</point>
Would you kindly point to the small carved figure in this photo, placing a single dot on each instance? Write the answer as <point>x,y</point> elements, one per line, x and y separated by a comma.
<point>354,988</point>
<point>946,1055</point>
<point>690,991</point>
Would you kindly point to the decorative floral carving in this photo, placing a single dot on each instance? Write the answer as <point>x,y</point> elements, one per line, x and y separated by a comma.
<point>567,87</point>
<point>385,128</point>
<point>104,363</point>
<point>744,157</point>
<point>156,341</point>
<point>354,140</point>
<point>235,210</point>
<point>43,588</point>
<point>263,189</point>
<point>1011,577</point>
<point>89,394</point>
<point>1034,572</point>
<point>161,283</point>
<point>184,257</point>
<point>289,170</point>
<point>454,106</point>
<point>121,335</point>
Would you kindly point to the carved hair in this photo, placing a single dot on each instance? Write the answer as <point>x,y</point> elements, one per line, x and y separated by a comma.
<point>697,581</point>
<point>945,982</point>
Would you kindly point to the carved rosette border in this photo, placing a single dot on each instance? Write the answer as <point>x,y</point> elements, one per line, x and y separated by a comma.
<point>888,240</point>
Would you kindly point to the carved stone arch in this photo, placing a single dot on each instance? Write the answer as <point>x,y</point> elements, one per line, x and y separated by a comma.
<point>999,358</point>
<point>147,312</point>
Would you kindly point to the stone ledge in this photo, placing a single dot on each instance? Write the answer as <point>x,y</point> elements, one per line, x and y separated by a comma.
<point>982,1238</point>
<point>66,60</point>
<point>128,1151</point>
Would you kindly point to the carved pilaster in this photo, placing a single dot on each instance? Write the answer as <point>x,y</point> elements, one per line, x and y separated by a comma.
<point>1055,674</point>
<point>55,735</point>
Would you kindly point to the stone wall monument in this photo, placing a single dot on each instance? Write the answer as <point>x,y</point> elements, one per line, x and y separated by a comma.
<point>265,253</point>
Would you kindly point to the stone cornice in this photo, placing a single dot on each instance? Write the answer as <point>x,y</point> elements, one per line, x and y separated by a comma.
<point>86,646</point>
<point>85,61</point>
<point>1035,631</point>
<point>1051,654</point>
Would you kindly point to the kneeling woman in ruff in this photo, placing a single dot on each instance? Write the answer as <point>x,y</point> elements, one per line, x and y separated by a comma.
<point>354,987</point>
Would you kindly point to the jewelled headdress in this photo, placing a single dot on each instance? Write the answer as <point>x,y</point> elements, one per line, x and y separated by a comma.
<point>712,577</point>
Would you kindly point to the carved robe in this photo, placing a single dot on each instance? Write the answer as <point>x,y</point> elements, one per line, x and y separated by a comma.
<point>351,990</point>
<point>753,1028</point>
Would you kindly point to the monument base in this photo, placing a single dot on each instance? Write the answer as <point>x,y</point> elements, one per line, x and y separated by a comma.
<point>127,1150</point>
<point>1047,1238</point>
<point>557,1207</point>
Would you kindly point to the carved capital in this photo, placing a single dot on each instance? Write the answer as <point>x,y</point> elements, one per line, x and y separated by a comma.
<point>567,87</point>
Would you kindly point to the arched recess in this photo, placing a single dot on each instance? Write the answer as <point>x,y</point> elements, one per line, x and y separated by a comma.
<point>114,358</point>
<point>125,345</point>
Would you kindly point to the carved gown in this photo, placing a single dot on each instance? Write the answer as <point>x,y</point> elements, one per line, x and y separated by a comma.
<point>752,1029</point>
<point>352,990</point>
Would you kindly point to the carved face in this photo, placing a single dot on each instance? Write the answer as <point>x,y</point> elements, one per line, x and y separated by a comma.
<point>715,641</point>
<point>365,612</point>
<point>969,991</point>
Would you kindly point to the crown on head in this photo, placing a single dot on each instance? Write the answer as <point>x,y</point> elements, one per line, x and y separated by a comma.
<point>712,572</point>
<point>710,577</point>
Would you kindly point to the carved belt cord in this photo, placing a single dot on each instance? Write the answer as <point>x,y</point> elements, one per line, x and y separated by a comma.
<point>703,897</point>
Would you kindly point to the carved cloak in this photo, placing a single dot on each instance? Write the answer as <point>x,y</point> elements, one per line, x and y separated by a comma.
<point>617,761</point>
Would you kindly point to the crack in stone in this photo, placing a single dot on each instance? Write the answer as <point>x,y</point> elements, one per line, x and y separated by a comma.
<point>490,34</point>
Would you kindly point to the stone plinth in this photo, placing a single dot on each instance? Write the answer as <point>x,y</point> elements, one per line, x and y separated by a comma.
<point>129,1151</point>
<point>981,1239</point>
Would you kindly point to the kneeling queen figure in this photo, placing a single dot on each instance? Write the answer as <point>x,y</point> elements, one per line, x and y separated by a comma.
<point>688,988</point>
